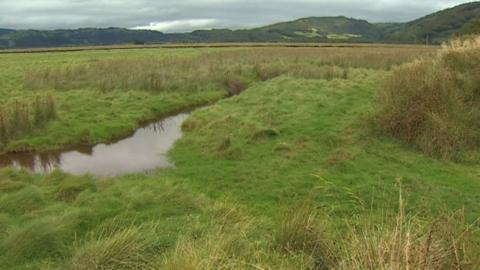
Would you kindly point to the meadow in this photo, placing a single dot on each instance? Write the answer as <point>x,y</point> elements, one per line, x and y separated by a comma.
<point>295,164</point>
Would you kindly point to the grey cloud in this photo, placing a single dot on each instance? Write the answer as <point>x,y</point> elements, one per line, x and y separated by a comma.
<point>186,15</point>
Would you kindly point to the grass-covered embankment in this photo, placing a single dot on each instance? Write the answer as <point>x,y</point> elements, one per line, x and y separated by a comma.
<point>283,139</point>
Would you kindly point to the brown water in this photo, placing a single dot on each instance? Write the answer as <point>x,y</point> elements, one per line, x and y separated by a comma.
<point>145,150</point>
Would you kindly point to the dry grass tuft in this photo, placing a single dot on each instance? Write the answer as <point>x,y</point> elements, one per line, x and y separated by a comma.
<point>435,103</point>
<point>404,242</point>
<point>410,243</point>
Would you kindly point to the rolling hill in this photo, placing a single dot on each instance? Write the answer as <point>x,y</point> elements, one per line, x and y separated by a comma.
<point>433,29</point>
<point>439,26</point>
<point>325,28</point>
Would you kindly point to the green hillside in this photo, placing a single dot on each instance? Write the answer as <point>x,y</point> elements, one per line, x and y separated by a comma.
<point>325,28</point>
<point>439,26</point>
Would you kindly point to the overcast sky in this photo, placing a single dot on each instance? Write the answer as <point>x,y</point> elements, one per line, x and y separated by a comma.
<point>187,15</point>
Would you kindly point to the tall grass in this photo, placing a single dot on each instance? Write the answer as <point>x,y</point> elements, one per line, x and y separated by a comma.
<point>434,103</point>
<point>232,70</point>
<point>402,242</point>
<point>306,239</point>
<point>21,117</point>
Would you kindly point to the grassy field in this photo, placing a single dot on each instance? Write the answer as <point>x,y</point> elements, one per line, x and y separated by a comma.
<point>206,45</point>
<point>293,173</point>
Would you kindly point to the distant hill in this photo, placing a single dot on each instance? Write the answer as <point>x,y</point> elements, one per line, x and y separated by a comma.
<point>78,37</point>
<point>439,26</point>
<point>434,29</point>
<point>325,29</point>
<point>5,31</point>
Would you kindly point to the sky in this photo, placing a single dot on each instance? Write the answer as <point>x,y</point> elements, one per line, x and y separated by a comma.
<point>187,15</point>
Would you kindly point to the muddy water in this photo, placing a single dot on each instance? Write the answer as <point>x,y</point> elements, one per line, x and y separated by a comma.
<point>145,150</point>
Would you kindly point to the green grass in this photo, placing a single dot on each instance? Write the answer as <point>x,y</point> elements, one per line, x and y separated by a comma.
<point>322,143</point>
<point>102,95</point>
<point>314,33</point>
<point>269,179</point>
<point>88,115</point>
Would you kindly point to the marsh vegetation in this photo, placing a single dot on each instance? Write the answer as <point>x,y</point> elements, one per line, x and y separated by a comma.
<point>20,117</point>
<point>434,103</point>
<point>302,170</point>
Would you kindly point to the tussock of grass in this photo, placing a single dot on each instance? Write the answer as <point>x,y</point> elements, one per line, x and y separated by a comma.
<point>229,150</point>
<point>22,201</point>
<point>42,238</point>
<point>121,248</point>
<point>16,175</point>
<point>434,103</point>
<point>12,180</point>
<point>302,231</point>
<point>222,243</point>
<point>9,186</point>
<point>69,189</point>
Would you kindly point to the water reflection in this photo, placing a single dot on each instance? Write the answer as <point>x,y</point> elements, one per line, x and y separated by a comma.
<point>146,149</point>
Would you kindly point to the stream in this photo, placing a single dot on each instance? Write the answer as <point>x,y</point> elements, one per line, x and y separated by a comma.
<point>145,150</point>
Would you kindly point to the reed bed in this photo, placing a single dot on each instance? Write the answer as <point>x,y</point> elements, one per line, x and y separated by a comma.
<point>20,117</point>
<point>231,69</point>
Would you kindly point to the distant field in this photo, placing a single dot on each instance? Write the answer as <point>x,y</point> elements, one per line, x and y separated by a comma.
<point>207,45</point>
<point>290,172</point>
